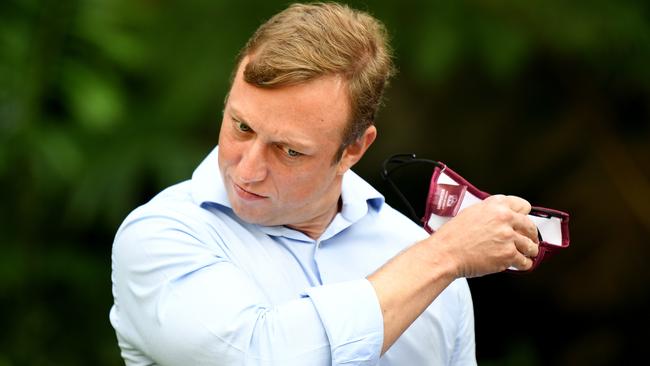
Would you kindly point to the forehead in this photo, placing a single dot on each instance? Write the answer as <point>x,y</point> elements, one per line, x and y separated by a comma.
<point>319,105</point>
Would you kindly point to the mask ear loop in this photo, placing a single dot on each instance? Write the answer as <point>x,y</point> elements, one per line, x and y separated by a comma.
<point>399,161</point>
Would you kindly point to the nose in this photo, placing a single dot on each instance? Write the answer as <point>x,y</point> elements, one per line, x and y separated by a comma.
<point>252,167</point>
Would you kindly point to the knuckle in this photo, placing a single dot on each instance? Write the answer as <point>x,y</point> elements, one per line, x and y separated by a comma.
<point>512,252</point>
<point>535,252</point>
<point>529,223</point>
<point>520,202</point>
<point>504,233</point>
<point>503,214</point>
<point>496,198</point>
<point>524,204</point>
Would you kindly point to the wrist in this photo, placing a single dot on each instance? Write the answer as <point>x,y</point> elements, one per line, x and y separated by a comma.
<point>442,263</point>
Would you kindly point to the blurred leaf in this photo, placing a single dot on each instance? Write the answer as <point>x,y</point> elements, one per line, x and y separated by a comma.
<point>61,154</point>
<point>115,29</point>
<point>439,49</point>
<point>503,48</point>
<point>94,97</point>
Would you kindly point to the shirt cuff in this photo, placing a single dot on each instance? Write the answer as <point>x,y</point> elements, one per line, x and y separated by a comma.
<point>352,319</point>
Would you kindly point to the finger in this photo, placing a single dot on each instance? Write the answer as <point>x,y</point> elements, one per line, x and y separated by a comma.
<point>526,247</point>
<point>525,226</point>
<point>522,263</point>
<point>518,204</point>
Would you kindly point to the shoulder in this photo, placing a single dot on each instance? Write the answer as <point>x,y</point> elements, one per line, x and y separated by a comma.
<point>173,206</point>
<point>378,216</point>
<point>171,222</point>
<point>389,223</point>
<point>178,204</point>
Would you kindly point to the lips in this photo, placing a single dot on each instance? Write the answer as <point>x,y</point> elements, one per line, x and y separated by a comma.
<point>246,195</point>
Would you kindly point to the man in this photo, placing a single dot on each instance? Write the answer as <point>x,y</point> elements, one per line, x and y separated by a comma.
<point>275,253</point>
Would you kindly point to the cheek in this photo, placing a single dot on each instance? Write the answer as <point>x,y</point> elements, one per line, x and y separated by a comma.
<point>228,149</point>
<point>224,134</point>
<point>302,186</point>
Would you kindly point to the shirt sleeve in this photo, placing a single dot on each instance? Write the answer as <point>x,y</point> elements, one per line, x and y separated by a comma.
<point>179,302</point>
<point>352,319</point>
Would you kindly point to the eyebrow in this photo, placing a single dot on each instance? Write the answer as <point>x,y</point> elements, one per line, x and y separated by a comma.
<point>301,146</point>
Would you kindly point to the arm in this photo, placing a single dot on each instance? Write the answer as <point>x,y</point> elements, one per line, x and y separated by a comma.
<point>485,238</point>
<point>181,302</point>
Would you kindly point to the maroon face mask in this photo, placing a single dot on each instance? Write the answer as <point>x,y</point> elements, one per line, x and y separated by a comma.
<point>449,193</point>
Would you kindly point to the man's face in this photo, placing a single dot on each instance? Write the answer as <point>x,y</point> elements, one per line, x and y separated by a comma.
<point>276,151</point>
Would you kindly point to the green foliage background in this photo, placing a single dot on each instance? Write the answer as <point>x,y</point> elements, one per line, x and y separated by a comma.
<point>105,102</point>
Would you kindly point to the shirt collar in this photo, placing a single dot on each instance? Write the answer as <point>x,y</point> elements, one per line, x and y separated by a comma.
<point>357,196</point>
<point>207,184</point>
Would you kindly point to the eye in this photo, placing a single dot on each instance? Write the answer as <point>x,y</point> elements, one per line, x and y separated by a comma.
<point>243,127</point>
<point>291,153</point>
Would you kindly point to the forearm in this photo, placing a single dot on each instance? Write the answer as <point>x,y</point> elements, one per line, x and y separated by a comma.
<point>177,303</point>
<point>408,284</point>
<point>482,239</point>
<point>204,319</point>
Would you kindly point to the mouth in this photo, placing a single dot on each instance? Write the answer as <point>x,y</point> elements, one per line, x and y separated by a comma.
<point>246,195</point>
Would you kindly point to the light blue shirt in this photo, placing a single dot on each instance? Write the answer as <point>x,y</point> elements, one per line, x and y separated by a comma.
<point>195,285</point>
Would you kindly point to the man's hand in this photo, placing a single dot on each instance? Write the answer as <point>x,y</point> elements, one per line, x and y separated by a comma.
<point>489,237</point>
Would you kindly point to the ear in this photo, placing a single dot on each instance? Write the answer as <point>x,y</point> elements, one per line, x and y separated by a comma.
<point>353,152</point>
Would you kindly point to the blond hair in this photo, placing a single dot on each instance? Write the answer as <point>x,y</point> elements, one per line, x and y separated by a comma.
<point>306,41</point>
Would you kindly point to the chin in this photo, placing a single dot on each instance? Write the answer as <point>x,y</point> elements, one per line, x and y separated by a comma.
<point>254,217</point>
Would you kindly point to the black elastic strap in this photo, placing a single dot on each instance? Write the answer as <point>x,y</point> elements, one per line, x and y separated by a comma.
<point>396,162</point>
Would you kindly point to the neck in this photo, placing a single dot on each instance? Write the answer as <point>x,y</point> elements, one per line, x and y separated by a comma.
<point>316,227</point>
